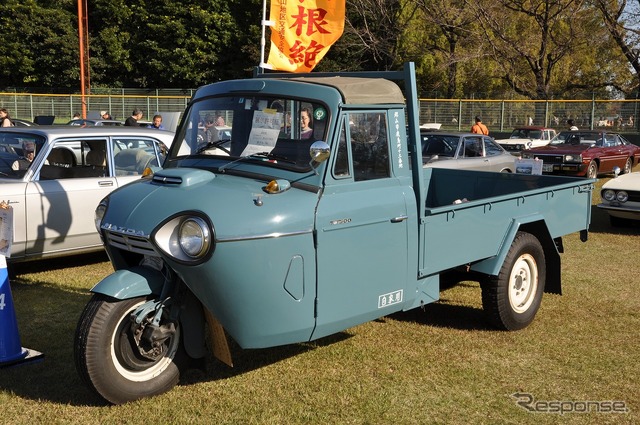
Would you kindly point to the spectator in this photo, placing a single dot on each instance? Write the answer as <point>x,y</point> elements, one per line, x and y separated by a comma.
<point>133,119</point>
<point>211,133</point>
<point>76,116</point>
<point>306,125</point>
<point>479,128</point>
<point>105,115</point>
<point>28,153</point>
<point>5,119</point>
<point>572,125</point>
<point>157,122</point>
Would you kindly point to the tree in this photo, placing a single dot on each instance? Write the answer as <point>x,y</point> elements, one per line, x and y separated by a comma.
<point>370,39</point>
<point>544,48</point>
<point>622,20</point>
<point>39,45</point>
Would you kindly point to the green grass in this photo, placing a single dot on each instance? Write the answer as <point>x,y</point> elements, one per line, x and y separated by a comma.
<point>440,365</point>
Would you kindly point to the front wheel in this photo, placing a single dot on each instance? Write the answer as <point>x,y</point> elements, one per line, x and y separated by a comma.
<point>116,359</point>
<point>512,299</point>
<point>592,170</point>
<point>628,165</point>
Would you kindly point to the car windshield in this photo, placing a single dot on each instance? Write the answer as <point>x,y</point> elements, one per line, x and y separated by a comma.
<point>17,152</point>
<point>276,132</point>
<point>441,145</point>
<point>576,138</point>
<point>525,133</point>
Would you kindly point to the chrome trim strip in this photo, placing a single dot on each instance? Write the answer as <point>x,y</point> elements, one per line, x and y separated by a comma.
<point>267,236</point>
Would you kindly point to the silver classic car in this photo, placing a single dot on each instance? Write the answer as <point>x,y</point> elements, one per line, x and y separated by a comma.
<point>53,178</point>
<point>464,151</point>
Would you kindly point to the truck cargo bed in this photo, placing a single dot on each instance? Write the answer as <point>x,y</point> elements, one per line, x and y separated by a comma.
<point>469,214</point>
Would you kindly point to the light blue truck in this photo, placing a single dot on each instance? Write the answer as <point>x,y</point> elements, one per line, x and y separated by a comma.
<point>271,231</point>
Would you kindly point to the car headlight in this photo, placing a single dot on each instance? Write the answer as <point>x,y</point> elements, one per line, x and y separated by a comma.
<point>573,158</point>
<point>194,237</point>
<point>101,209</point>
<point>622,196</point>
<point>609,195</point>
<point>188,238</point>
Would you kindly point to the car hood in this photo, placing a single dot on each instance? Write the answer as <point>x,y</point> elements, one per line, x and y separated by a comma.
<point>628,182</point>
<point>237,207</point>
<point>516,141</point>
<point>560,149</point>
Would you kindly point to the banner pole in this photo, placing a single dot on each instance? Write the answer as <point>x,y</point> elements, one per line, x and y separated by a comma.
<point>263,40</point>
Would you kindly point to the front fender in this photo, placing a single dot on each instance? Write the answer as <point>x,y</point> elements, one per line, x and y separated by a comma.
<point>130,283</point>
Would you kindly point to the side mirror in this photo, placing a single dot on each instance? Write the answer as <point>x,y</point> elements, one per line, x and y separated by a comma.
<point>319,151</point>
<point>616,171</point>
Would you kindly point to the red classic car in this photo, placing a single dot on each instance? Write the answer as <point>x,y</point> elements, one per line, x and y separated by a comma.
<point>586,153</point>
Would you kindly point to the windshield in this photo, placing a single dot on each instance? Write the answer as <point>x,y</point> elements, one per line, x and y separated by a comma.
<point>17,152</point>
<point>576,138</point>
<point>276,131</point>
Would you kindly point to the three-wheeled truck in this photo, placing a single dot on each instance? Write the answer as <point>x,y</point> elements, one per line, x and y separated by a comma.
<point>273,234</point>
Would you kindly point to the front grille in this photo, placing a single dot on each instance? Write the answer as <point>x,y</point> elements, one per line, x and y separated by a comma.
<point>137,244</point>
<point>634,196</point>
<point>550,159</point>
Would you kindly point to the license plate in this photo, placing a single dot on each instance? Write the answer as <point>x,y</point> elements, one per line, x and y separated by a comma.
<point>547,168</point>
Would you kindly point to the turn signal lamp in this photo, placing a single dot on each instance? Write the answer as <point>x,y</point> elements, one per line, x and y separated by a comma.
<point>277,186</point>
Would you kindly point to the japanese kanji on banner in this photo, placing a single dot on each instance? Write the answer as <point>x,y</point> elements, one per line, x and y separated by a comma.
<point>303,31</point>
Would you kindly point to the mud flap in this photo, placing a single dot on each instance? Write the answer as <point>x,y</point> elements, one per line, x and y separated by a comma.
<point>218,337</point>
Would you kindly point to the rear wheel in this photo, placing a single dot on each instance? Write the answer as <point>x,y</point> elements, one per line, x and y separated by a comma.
<point>512,299</point>
<point>116,357</point>
<point>592,170</point>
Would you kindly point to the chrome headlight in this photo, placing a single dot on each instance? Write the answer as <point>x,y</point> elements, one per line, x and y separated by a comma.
<point>194,237</point>
<point>622,196</point>
<point>188,238</point>
<point>573,158</point>
<point>609,195</point>
<point>101,209</point>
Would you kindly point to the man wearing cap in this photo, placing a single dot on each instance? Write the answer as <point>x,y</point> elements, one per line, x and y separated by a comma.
<point>479,128</point>
<point>105,115</point>
<point>28,152</point>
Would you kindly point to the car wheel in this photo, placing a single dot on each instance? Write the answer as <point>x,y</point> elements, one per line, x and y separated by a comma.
<point>512,298</point>
<point>627,166</point>
<point>592,170</point>
<point>115,359</point>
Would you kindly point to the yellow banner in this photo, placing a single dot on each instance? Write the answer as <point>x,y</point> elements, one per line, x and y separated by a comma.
<point>303,32</point>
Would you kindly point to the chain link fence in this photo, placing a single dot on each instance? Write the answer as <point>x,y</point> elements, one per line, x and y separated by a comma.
<point>452,114</point>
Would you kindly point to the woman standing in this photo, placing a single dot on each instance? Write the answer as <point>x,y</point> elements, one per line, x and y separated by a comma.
<point>5,119</point>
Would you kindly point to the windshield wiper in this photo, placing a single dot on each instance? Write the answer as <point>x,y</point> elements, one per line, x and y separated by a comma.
<point>214,144</point>
<point>259,155</point>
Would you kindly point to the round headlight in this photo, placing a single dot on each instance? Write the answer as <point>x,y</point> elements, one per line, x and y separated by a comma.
<point>101,209</point>
<point>194,237</point>
<point>609,195</point>
<point>622,196</point>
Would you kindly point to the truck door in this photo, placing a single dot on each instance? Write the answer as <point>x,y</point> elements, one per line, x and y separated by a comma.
<point>362,228</point>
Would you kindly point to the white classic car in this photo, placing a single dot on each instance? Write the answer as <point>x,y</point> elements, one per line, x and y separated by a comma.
<point>621,199</point>
<point>524,138</point>
<point>53,178</point>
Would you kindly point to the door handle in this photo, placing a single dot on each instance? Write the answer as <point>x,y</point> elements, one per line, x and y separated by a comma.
<point>399,219</point>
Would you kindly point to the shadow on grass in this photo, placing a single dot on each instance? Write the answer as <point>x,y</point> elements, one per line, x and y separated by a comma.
<point>600,223</point>
<point>47,316</point>
<point>247,360</point>
<point>446,314</point>
<point>36,266</point>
